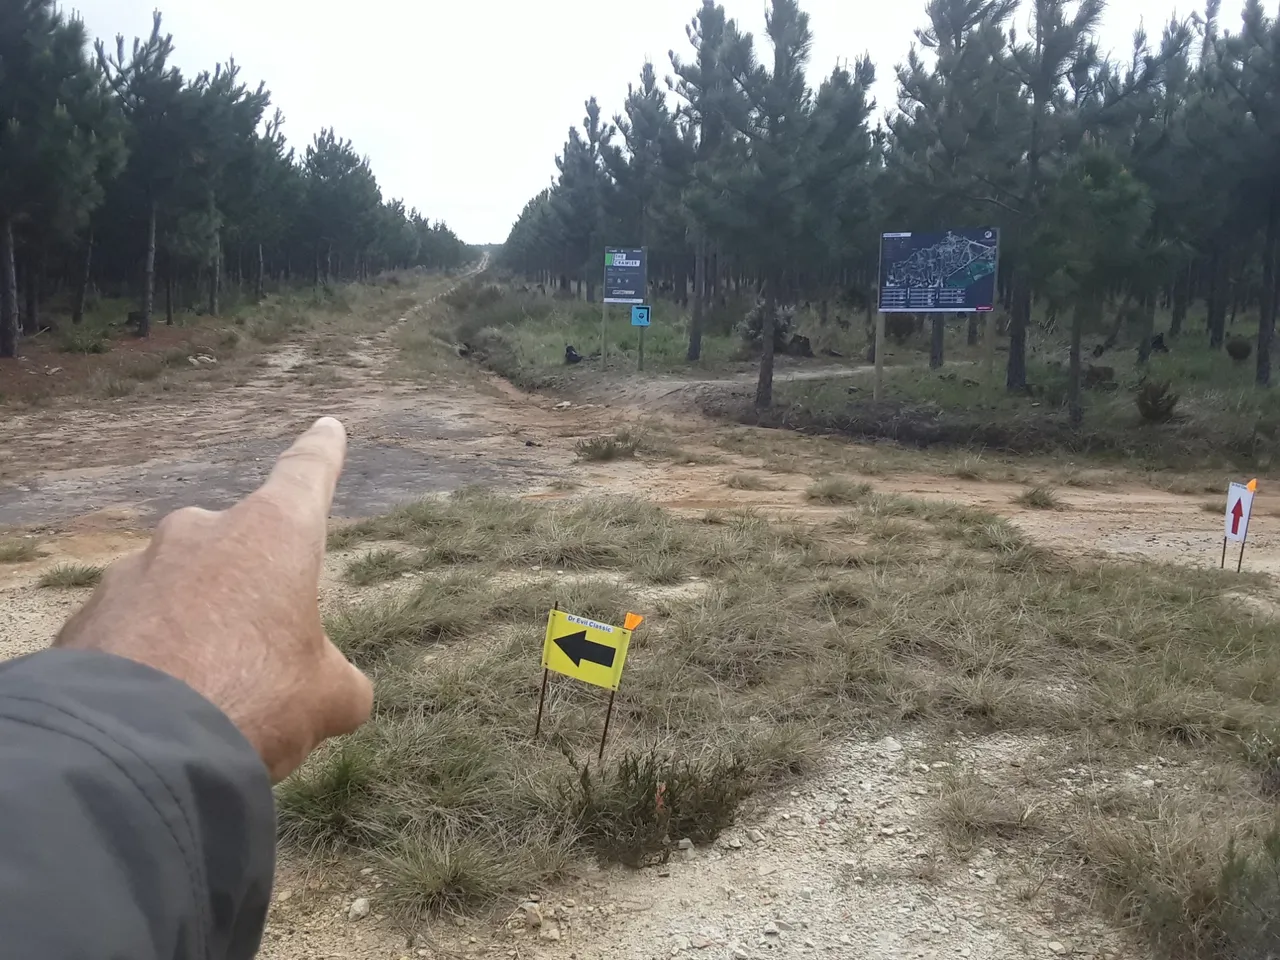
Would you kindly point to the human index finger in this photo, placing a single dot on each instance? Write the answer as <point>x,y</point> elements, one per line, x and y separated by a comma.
<point>305,476</point>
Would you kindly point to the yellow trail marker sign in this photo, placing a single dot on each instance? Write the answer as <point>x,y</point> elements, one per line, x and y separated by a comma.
<point>586,650</point>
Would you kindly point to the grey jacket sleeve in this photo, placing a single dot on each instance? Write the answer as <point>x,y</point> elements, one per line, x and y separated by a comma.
<point>136,822</point>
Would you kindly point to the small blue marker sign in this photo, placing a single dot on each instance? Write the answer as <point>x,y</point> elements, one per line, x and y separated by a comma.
<point>640,315</point>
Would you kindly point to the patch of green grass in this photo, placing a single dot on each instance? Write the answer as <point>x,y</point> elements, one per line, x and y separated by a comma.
<point>377,566</point>
<point>631,811</point>
<point>19,551</point>
<point>449,870</point>
<point>84,339</point>
<point>1040,498</point>
<point>443,609</point>
<point>838,491</point>
<point>1223,420</point>
<point>66,576</point>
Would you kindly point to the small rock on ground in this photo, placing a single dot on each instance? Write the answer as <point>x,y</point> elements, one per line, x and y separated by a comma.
<point>359,909</point>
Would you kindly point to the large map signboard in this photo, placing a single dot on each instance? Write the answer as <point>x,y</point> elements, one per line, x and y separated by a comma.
<point>949,272</point>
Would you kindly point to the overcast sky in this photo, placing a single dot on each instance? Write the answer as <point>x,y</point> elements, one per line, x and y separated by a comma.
<point>461,107</point>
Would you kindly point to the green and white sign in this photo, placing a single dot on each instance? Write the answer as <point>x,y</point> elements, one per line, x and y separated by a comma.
<point>625,275</point>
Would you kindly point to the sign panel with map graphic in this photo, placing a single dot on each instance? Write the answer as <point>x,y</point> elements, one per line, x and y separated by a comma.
<point>949,272</point>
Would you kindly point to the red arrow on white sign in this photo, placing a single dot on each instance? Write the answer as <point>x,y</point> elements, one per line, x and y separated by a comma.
<point>1239,506</point>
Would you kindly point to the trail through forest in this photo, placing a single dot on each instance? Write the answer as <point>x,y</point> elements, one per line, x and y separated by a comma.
<point>843,866</point>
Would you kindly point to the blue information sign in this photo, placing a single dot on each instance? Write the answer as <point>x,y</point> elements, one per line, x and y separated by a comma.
<point>624,275</point>
<point>640,315</point>
<point>949,272</point>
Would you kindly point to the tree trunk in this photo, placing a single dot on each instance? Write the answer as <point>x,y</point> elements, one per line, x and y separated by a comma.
<point>1075,409</point>
<point>1181,296</point>
<point>148,274</point>
<point>713,278</point>
<point>8,293</point>
<point>1217,299</point>
<point>168,289</point>
<point>1016,372</point>
<point>764,386</point>
<point>591,291</point>
<point>1113,334</point>
<point>971,335</point>
<point>699,303</point>
<point>1267,311</point>
<point>1148,329</point>
<point>937,335</point>
<point>259,283</point>
<point>31,294</point>
<point>215,278</point>
<point>869,323</point>
<point>82,292</point>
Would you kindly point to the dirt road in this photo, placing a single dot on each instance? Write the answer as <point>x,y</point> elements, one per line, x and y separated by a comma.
<point>842,867</point>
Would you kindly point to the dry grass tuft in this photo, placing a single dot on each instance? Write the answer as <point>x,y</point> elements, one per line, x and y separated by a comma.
<point>19,551</point>
<point>378,566</point>
<point>66,576</point>
<point>838,491</point>
<point>968,467</point>
<point>1198,885</point>
<point>971,812</point>
<point>748,481</point>
<point>619,446</point>
<point>1040,498</point>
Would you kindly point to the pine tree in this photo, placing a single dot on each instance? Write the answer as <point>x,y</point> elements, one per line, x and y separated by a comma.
<point>582,195</point>
<point>710,99</point>
<point>776,125</point>
<point>1250,66</point>
<point>149,91</point>
<point>58,144</point>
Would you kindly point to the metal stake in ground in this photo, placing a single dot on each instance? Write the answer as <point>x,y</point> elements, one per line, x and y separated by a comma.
<point>542,697</point>
<point>607,717</point>
<point>640,314</point>
<point>877,389</point>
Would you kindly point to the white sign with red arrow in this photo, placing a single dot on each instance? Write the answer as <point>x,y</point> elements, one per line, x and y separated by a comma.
<point>1239,505</point>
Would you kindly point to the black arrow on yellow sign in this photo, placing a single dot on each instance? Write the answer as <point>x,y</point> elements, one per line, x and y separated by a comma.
<point>577,648</point>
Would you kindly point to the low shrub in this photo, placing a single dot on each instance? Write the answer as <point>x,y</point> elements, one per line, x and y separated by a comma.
<point>1156,401</point>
